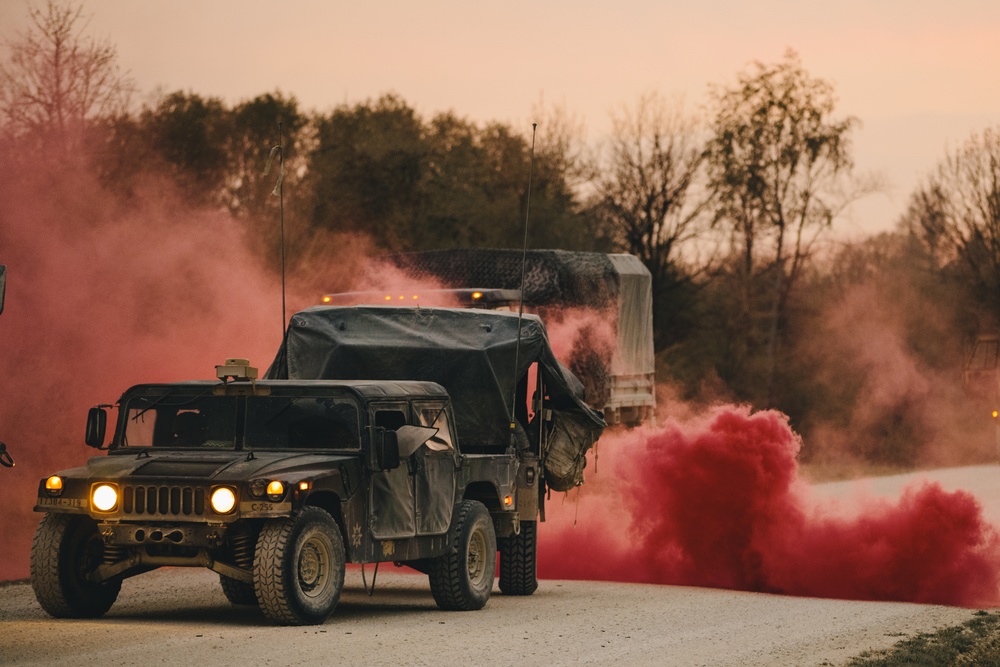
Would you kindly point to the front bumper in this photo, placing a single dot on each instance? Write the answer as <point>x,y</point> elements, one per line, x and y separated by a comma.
<point>201,535</point>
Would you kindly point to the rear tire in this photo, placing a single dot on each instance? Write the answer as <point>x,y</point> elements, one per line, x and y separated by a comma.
<point>299,568</point>
<point>462,578</point>
<point>518,559</point>
<point>66,550</point>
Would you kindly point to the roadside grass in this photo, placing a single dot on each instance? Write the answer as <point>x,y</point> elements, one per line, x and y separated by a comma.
<point>975,642</point>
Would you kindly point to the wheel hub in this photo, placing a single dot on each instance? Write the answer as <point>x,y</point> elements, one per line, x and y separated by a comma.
<point>477,557</point>
<point>313,565</point>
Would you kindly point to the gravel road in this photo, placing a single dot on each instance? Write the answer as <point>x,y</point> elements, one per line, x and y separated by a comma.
<point>179,616</point>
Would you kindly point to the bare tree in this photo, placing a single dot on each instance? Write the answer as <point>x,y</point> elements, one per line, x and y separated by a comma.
<point>780,167</point>
<point>955,215</point>
<point>648,194</point>
<point>57,79</point>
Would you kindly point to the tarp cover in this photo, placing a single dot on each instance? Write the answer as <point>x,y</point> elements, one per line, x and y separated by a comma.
<point>470,352</point>
<point>635,298</point>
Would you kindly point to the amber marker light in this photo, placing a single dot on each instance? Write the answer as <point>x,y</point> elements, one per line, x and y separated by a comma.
<point>54,485</point>
<point>327,299</point>
<point>104,497</point>
<point>477,295</point>
<point>303,486</point>
<point>275,491</point>
<point>508,501</point>
<point>995,414</point>
<point>223,500</point>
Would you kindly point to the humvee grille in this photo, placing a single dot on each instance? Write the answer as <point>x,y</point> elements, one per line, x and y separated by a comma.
<point>155,500</point>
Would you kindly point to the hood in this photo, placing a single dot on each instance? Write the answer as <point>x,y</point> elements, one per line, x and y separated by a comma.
<point>217,466</point>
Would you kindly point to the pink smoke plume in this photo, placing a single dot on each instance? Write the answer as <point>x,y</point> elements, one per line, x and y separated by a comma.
<point>721,504</point>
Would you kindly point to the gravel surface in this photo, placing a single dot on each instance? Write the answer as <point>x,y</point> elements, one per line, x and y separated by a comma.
<point>177,616</point>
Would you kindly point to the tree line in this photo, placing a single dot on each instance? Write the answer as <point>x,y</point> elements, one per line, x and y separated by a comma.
<point>731,209</point>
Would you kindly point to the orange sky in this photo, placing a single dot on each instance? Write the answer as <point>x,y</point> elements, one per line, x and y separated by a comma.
<point>920,75</point>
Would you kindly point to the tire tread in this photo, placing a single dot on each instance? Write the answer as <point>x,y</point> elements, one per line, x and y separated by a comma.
<point>518,561</point>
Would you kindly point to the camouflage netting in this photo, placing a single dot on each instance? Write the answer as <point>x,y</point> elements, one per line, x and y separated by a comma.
<point>476,355</point>
<point>552,277</point>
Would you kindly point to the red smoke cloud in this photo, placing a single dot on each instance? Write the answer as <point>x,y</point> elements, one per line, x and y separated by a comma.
<point>721,505</point>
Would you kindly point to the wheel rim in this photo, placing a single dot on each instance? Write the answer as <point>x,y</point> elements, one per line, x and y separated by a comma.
<point>314,566</point>
<point>477,557</point>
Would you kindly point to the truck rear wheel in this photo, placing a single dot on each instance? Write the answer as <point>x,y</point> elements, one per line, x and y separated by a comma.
<point>462,578</point>
<point>66,550</point>
<point>299,568</point>
<point>518,557</point>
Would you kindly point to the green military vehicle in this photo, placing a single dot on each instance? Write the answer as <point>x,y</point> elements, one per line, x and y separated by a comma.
<point>377,435</point>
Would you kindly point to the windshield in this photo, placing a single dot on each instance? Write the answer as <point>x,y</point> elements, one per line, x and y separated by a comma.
<point>190,419</point>
<point>301,422</point>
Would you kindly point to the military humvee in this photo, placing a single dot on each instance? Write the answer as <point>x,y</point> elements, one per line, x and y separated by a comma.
<point>348,450</point>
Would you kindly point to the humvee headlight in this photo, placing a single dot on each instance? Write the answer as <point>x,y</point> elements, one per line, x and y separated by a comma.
<point>54,485</point>
<point>104,497</point>
<point>275,490</point>
<point>223,500</point>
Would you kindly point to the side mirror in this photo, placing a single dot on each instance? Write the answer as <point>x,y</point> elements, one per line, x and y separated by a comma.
<point>387,451</point>
<point>97,425</point>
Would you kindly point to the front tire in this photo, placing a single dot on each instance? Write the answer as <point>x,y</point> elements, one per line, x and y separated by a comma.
<point>299,568</point>
<point>65,552</point>
<point>518,559</point>
<point>462,578</point>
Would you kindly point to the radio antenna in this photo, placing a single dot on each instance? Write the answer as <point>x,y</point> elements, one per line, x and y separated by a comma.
<point>279,190</point>
<point>524,259</point>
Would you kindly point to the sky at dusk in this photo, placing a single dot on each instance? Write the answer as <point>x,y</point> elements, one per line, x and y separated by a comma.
<point>919,75</point>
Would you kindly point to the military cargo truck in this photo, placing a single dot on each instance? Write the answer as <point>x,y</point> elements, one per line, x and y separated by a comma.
<point>377,435</point>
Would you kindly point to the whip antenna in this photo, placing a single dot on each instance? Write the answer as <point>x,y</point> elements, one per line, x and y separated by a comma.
<point>279,190</point>
<point>524,258</point>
